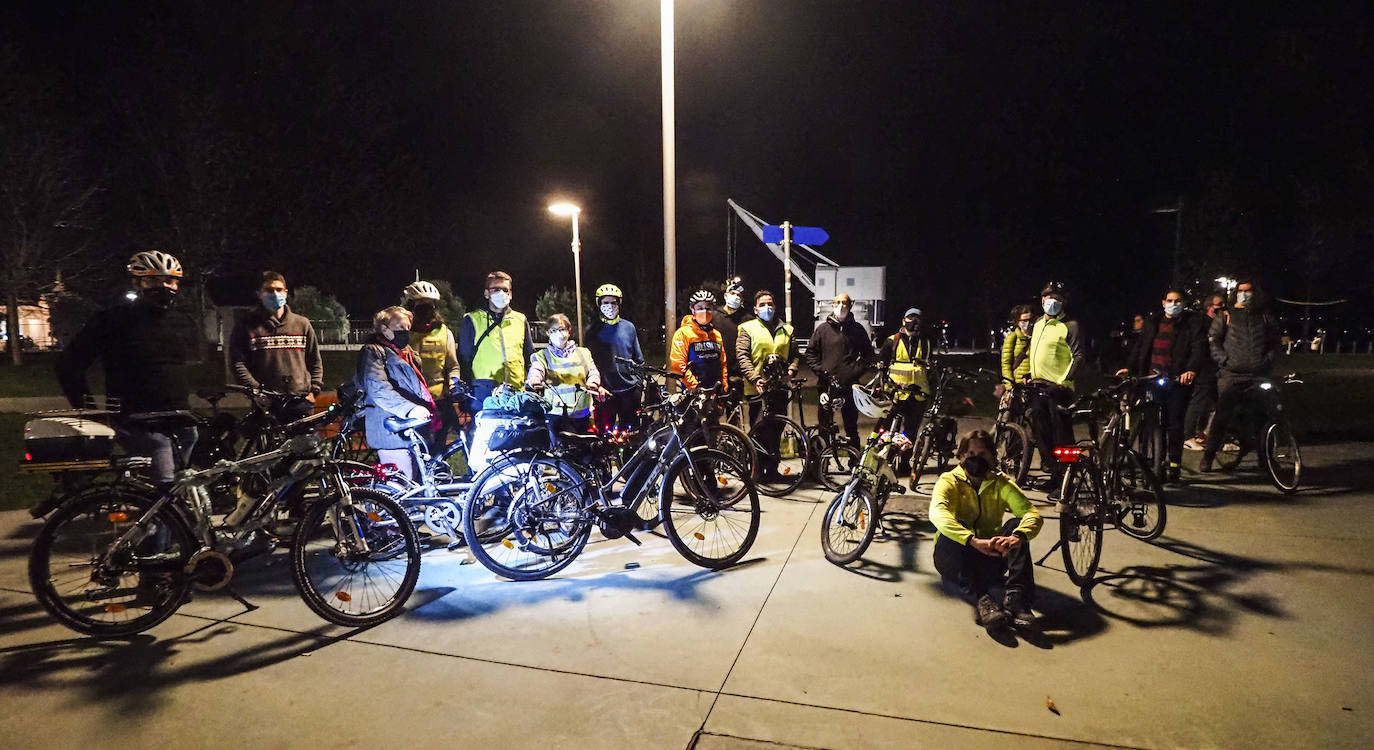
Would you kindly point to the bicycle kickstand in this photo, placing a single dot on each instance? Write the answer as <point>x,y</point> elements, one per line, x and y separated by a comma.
<point>247,605</point>
<point>1057,544</point>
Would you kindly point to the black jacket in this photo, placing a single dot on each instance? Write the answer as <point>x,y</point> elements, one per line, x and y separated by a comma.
<point>1190,345</point>
<point>728,324</point>
<point>1244,341</point>
<point>840,350</point>
<point>144,352</point>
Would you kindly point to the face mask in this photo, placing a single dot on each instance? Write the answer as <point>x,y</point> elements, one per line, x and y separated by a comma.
<point>1052,307</point>
<point>400,338</point>
<point>558,338</point>
<point>610,312</point>
<point>423,311</point>
<point>911,325</point>
<point>160,297</point>
<point>1243,298</point>
<point>765,313</point>
<point>733,301</point>
<point>1024,325</point>
<point>274,301</point>
<point>975,466</point>
<point>499,300</point>
<point>840,312</point>
<point>1172,309</point>
<point>702,317</point>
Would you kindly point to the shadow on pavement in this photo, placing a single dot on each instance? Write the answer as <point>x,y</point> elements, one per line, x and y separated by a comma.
<point>1060,619</point>
<point>907,530</point>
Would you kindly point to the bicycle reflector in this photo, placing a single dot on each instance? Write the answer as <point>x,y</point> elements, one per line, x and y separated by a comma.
<point>1068,455</point>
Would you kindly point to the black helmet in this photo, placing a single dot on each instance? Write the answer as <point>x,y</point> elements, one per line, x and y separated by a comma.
<point>1056,288</point>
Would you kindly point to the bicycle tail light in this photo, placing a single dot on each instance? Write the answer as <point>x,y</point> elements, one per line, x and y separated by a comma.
<point>1068,454</point>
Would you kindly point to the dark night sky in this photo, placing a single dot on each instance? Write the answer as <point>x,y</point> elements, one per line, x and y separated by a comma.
<point>977,149</point>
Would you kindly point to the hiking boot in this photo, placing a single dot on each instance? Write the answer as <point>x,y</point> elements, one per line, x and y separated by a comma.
<point>1017,608</point>
<point>988,614</point>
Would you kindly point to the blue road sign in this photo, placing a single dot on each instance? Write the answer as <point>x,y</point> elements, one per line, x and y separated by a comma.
<point>800,235</point>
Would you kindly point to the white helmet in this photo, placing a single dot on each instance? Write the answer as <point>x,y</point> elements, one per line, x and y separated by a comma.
<point>872,403</point>
<point>154,263</point>
<point>422,290</point>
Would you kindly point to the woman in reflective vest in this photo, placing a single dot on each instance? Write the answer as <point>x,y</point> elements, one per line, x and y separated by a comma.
<point>566,374</point>
<point>904,354</point>
<point>438,351</point>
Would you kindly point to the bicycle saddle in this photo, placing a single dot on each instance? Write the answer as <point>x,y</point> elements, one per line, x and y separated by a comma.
<point>396,424</point>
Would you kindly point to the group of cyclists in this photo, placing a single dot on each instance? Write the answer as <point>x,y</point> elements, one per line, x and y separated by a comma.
<point>412,366</point>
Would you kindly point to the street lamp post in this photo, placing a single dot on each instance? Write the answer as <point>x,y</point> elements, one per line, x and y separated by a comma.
<point>568,209</point>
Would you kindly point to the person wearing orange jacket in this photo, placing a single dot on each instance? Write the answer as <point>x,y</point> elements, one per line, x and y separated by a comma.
<point>697,351</point>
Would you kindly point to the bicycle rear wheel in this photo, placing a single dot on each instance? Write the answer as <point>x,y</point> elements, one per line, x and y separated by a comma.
<point>1141,512</point>
<point>355,558</point>
<point>527,518</point>
<point>710,508</point>
<point>781,463</point>
<point>849,524</point>
<point>1013,451</point>
<point>921,455</point>
<point>1281,457</point>
<point>136,589</point>
<point>836,464</point>
<point>733,441</point>
<point>1080,527</point>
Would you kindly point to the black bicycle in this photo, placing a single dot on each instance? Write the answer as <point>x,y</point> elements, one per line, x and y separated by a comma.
<point>1260,425</point>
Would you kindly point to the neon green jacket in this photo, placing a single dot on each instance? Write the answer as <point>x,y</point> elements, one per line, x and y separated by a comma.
<point>1012,346</point>
<point>960,513</point>
<point>1056,350</point>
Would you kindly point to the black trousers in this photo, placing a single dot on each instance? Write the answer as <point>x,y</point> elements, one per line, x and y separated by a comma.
<point>1053,428</point>
<point>974,572</point>
<point>911,411</point>
<point>768,434</point>
<point>1230,389</point>
<point>620,408</point>
<point>448,424</point>
<point>849,413</point>
<point>1200,407</point>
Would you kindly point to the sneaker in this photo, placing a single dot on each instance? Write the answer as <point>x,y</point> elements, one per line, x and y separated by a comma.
<point>1017,608</point>
<point>1053,495</point>
<point>988,614</point>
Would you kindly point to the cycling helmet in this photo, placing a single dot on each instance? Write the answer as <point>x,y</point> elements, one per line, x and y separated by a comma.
<point>609,290</point>
<point>154,263</point>
<point>871,403</point>
<point>422,290</point>
<point>734,284</point>
<point>702,295</point>
<point>1055,287</point>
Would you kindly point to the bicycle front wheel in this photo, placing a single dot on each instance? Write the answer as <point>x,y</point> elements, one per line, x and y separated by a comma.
<point>849,524</point>
<point>1141,512</point>
<point>525,521</point>
<point>1281,457</point>
<point>710,508</point>
<point>130,591</point>
<point>1080,526</point>
<point>355,558</point>
<point>781,446</point>
<point>1013,452</point>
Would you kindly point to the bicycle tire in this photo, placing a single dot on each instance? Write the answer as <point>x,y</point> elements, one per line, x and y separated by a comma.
<point>701,514</point>
<point>1139,498</point>
<point>836,465</point>
<point>171,537</point>
<point>732,440</point>
<point>388,533</point>
<point>851,510</point>
<point>921,454</point>
<point>1080,531</point>
<point>504,511</point>
<point>1281,456</point>
<point>790,456</point>
<point>1012,447</point>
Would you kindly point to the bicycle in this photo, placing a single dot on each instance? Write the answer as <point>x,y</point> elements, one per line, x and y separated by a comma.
<point>939,433</point>
<point>854,516</point>
<point>119,562</point>
<point>1106,483</point>
<point>530,515</point>
<point>1260,424</point>
<point>1011,436</point>
<point>832,456</point>
<point>779,442</point>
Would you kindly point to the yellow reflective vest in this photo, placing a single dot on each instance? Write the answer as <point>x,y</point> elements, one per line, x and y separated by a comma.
<point>762,343</point>
<point>562,374</point>
<point>1051,352</point>
<point>438,359</point>
<point>904,371</point>
<point>500,355</point>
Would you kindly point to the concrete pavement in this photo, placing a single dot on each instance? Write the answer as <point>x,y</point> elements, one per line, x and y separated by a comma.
<point>1247,624</point>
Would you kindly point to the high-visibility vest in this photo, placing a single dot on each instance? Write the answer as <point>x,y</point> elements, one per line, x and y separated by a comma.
<point>500,355</point>
<point>562,375</point>
<point>904,371</point>
<point>763,342</point>
<point>433,350</point>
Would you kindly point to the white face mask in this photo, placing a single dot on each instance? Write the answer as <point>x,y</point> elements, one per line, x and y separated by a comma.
<point>733,301</point>
<point>1052,306</point>
<point>1243,298</point>
<point>558,338</point>
<point>840,312</point>
<point>609,311</point>
<point>1172,309</point>
<point>1024,325</point>
<point>765,313</point>
<point>499,300</point>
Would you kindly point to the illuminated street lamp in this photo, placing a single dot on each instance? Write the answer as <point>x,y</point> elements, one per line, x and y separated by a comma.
<point>565,210</point>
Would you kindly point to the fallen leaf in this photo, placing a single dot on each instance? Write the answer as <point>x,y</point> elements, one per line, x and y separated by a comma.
<point>1049,703</point>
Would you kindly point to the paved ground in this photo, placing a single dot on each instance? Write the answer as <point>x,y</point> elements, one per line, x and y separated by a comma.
<point>1247,624</point>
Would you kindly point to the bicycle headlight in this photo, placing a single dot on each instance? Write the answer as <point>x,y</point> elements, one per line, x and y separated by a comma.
<point>1266,386</point>
<point>1161,381</point>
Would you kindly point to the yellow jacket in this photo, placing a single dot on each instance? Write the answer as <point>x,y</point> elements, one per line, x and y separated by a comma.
<point>960,512</point>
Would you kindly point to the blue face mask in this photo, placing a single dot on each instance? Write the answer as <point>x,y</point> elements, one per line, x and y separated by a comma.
<point>1052,307</point>
<point>274,301</point>
<point>766,313</point>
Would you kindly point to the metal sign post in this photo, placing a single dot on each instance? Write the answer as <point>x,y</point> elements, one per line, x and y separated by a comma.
<point>787,268</point>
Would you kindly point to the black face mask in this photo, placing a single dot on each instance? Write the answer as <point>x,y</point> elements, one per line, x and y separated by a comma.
<point>160,297</point>
<point>424,312</point>
<point>975,466</point>
<point>911,325</point>
<point>400,338</point>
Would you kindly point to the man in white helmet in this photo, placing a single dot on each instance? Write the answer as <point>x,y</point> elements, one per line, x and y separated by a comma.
<point>431,338</point>
<point>143,346</point>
